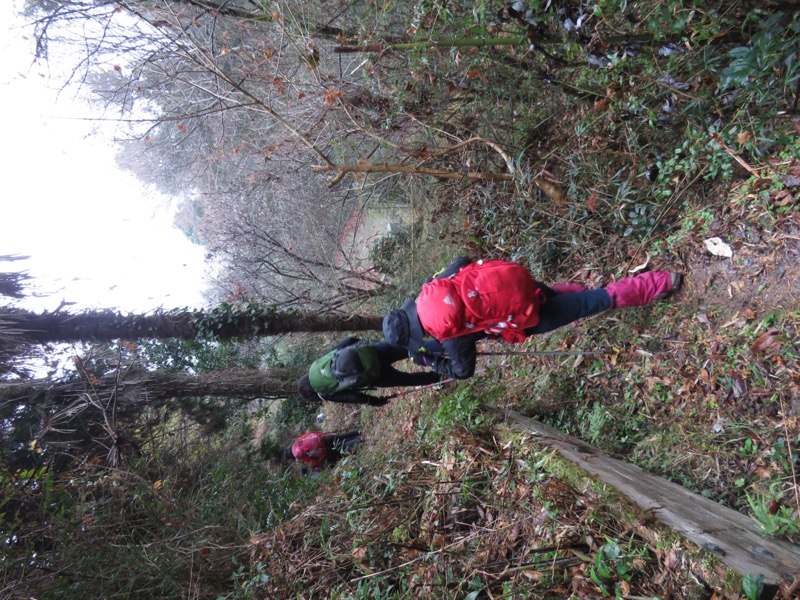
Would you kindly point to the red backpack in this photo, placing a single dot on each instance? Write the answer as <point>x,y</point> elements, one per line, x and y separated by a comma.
<point>496,296</point>
<point>310,448</point>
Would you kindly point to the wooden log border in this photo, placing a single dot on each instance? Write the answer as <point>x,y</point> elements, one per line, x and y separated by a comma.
<point>733,537</point>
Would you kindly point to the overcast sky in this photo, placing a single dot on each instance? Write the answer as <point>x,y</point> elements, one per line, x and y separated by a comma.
<point>95,235</point>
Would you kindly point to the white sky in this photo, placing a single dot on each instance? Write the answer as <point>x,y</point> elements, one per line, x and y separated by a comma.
<point>95,235</point>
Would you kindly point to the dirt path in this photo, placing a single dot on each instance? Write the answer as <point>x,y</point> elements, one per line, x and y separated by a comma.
<point>763,274</point>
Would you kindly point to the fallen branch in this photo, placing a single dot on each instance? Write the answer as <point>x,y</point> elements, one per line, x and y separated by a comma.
<point>730,152</point>
<point>496,147</point>
<point>513,40</point>
<point>343,170</point>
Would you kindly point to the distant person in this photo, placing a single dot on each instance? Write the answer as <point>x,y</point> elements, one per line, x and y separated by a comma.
<point>354,365</point>
<point>472,300</point>
<point>317,450</point>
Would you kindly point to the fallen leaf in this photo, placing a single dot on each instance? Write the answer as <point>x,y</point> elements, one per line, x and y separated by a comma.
<point>670,560</point>
<point>591,202</point>
<point>422,152</point>
<point>331,96</point>
<point>256,539</point>
<point>641,266</point>
<point>739,387</point>
<point>744,137</point>
<point>791,180</point>
<point>782,197</point>
<point>761,392</point>
<point>763,472</point>
<point>737,321</point>
<point>718,248</point>
<point>767,342</point>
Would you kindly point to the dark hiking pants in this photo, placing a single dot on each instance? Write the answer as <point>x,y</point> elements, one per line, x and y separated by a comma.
<point>562,310</point>
<point>391,377</point>
<point>341,443</point>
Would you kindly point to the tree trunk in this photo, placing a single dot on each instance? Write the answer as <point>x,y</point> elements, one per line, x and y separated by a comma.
<point>221,323</point>
<point>152,387</point>
<point>343,170</point>
<point>512,40</point>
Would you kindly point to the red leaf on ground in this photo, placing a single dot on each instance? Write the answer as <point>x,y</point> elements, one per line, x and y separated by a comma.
<point>331,96</point>
<point>774,507</point>
<point>591,202</point>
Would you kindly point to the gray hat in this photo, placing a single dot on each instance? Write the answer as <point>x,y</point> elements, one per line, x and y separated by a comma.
<point>401,327</point>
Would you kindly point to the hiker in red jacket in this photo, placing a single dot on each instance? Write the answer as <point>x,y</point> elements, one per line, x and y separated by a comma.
<point>470,301</point>
<point>317,449</point>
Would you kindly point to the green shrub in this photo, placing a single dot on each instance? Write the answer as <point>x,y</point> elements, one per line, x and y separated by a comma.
<point>392,251</point>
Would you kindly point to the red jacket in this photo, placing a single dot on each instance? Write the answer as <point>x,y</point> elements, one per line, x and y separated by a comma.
<point>311,449</point>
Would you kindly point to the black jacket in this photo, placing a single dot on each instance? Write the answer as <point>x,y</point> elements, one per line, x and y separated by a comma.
<point>460,356</point>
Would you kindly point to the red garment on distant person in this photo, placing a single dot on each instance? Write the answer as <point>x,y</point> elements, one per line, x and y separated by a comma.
<point>311,449</point>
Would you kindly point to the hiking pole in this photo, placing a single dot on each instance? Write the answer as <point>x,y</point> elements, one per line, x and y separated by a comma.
<point>419,387</point>
<point>546,353</point>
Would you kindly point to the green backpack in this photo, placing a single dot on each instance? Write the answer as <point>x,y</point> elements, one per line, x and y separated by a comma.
<point>351,367</point>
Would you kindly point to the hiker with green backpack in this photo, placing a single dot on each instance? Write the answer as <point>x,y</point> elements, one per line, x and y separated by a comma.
<point>354,365</point>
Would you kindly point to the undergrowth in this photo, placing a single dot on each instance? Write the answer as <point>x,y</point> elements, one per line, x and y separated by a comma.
<point>630,140</point>
<point>461,509</point>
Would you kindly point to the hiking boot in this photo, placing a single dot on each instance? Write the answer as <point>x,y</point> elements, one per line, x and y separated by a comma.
<point>643,289</point>
<point>561,289</point>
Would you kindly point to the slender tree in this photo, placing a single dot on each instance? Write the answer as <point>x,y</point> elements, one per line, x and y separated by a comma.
<point>22,326</point>
<point>132,390</point>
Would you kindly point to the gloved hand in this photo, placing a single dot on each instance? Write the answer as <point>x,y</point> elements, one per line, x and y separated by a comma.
<point>378,401</point>
<point>421,359</point>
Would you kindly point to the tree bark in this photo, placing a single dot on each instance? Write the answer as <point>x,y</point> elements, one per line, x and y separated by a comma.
<point>512,40</point>
<point>152,387</point>
<point>97,326</point>
<point>732,536</point>
<point>343,170</point>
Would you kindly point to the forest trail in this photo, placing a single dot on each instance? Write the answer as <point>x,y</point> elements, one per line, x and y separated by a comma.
<point>762,275</point>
